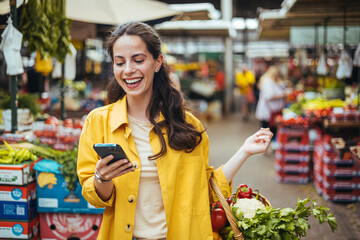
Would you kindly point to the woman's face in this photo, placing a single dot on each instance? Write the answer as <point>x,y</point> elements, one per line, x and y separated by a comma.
<point>134,66</point>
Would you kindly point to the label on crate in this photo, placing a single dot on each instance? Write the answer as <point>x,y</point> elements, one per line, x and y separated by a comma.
<point>15,194</point>
<point>12,177</point>
<point>48,202</point>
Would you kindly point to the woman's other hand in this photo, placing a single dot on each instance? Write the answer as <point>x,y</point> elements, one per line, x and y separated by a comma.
<point>258,142</point>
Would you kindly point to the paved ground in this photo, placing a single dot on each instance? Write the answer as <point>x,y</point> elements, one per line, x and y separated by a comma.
<point>227,135</point>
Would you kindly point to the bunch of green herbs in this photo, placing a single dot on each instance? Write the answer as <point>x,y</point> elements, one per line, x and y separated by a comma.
<point>281,224</point>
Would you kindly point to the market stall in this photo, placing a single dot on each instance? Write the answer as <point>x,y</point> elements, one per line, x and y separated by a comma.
<point>330,108</point>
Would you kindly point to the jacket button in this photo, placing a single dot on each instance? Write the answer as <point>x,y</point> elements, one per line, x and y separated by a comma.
<point>135,164</point>
<point>128,228</point>
<point>131,198</point>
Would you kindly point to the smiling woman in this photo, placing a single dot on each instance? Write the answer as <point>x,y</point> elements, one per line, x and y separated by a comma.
<point>161,191</point>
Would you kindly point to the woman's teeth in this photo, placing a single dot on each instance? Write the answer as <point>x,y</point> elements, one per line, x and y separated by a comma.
<point>133,81</point>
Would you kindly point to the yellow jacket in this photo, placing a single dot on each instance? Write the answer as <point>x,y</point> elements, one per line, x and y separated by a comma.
<point>183,178</point>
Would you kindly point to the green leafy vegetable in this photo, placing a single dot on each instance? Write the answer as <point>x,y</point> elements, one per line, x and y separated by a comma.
<point>281,224</point>
<point>67,159</point>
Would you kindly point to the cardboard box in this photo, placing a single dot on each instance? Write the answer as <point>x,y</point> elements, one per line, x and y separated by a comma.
<point>17,174</point>
<point>18,202</point>
<point>53,196</point>
<point>55,226</point>
<point>20,229</point>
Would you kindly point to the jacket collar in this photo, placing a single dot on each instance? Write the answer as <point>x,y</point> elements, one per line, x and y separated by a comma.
<point>118,114</point>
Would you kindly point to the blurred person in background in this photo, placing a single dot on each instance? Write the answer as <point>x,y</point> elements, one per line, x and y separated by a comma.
<point>272,97</point>
<point>245,80</point>
<point>161,191</point>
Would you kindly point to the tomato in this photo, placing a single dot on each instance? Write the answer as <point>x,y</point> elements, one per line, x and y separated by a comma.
<point>79,124</point>
<point>218,219</point>
<point>52,121</point>
<point>68,123</point>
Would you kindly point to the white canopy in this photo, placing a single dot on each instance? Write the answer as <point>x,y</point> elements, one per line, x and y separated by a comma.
<point>114,12</point>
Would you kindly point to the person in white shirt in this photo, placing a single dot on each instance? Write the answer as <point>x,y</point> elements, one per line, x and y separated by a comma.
<point>272,96</point>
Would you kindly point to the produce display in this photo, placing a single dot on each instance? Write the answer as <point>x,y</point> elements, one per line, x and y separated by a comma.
<point>60,135</point>
<point>67,159</point>
<point>10,155</point>
<point>257,221</point>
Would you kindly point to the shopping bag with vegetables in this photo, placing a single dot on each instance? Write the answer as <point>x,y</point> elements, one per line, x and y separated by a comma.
<point>250,216</point>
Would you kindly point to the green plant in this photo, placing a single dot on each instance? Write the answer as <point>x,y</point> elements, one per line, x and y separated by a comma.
<point>27,100</point>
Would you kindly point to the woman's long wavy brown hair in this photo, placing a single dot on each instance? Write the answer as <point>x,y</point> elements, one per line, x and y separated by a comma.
<point>165,98</point>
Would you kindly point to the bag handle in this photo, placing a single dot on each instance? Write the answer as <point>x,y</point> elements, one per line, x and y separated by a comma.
<point>237,233</point>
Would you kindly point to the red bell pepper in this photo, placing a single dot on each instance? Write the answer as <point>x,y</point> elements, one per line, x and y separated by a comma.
<point>243,191</point>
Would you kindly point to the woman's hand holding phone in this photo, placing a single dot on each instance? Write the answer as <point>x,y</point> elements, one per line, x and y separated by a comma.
<point>113,170</point>
<point>113,162</point>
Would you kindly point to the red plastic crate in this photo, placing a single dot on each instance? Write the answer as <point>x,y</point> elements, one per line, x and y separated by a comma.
<point>289,156</point>
<point>317,158</point>
<point>299,178</point>
<point>341,197</point>
<point>339,182</point>
<point>318,186</point>
<point>294,146</point>
<point>336,195</point>
<point>330,157</point>
<point>282,166</point>
<point>292,136</point>
<point>340,170</point>
<point>318,167</point>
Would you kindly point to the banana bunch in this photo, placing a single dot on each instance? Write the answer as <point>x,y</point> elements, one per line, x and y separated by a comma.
<point>10,155</point>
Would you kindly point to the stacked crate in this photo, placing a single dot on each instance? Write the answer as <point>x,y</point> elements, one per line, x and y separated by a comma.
<point>18,215</point>
<point>336,177</point>
<point>63,213</point>
<point>292,157</point>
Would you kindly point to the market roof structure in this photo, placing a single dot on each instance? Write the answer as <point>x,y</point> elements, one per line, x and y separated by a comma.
<point>196,27</point>
<point>275,24</point>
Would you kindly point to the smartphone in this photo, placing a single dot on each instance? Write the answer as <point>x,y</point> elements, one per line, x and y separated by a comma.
<point>106,149</point>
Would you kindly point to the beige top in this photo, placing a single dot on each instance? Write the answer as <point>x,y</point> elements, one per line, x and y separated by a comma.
<point>150,221</point>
